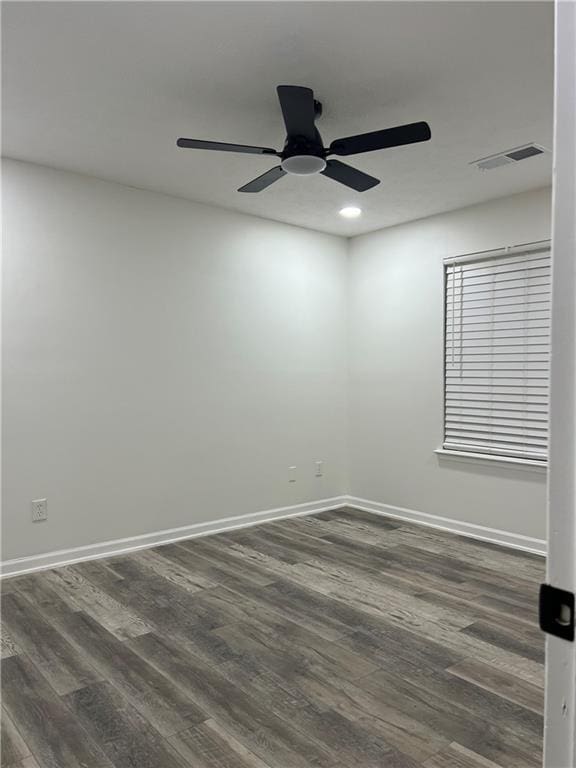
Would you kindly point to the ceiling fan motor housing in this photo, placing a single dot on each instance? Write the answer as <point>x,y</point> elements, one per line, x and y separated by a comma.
<point>303,157</point>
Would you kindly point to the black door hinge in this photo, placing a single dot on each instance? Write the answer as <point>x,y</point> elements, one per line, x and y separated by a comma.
<point>557,612</point>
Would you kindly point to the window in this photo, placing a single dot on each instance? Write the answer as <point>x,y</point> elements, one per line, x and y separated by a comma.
<point>497,353</point>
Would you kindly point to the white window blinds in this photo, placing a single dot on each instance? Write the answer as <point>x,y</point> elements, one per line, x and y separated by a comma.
<point>497,353</point>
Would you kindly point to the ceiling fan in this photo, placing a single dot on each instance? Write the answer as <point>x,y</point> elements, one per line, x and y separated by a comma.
<point>304,152</point>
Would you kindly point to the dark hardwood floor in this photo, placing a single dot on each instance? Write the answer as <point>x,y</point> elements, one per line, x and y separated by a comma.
<point>342,640</point>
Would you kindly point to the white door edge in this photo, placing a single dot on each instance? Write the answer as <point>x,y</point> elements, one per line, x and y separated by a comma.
<point>560,707</point>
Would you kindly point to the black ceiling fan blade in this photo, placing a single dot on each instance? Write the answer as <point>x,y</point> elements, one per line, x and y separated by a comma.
<point>263,181</point>
<point>297,105</point>
<point>390,137</point>
<point>223,147</point>
<point>350,177</point>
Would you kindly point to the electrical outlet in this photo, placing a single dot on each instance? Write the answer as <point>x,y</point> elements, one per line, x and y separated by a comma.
<point>291,474</point>
<point>39,510</point>
<point>319,468</point>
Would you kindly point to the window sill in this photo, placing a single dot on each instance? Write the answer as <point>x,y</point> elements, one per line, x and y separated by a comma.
<point>529,465</point>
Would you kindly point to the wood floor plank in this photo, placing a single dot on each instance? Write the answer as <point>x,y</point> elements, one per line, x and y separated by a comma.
<point>254,655</point>
<point>141,586</point>
<point>247,558</point>
<point>191,581</point>
<point>503,559</point>
<point>82,595</point>
<point>101,573</point>
<point>280,691</point>
<point>352,742</point>
<point>381,719</point>
<point>173,612</point>
<point>259,539</point>
<point>297,647</point>
<point>28,762</point>
<point>468,551</point>
<point>368,592</point>
<point>204,747</point>
<point>271,738</point>
<point>525,597</point>
<point>412,662</point>
<point>447,563</point>
<point>374,597</point>
<point>317,613</point>
<point>199,556</point>
<point>8,646</point>
<point>165,707</point>
<point>308,525</point>
<point>298,549</point>
<point>477,700</point>
<point>262,558</point>
<point>394,645</point>
<point>342,567</point>
<point>61,664</point>
<point>351,513</point>
<point>526,612</point>
<point>465,645</point>
<point>482,607</point>
<point>389,726</point>
<point>525,669</point>
<point>13,748</point>
<point>524,641</point>
<point>283,644</point>
<point>407,573</point>
<point>225,736</point>
<point>490,738</point>
<point>422,562</point>
<point>39,592</point>
<point>282,700</point>
<point>8,584</point>
<point>360,530</point>
<point>505,685</point>
<point>457,756</point>
<point>54,736</point>
<point>287,701</point>
<point>123,734</point>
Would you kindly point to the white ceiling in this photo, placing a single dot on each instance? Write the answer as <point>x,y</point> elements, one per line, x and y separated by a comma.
<point>106,88</point>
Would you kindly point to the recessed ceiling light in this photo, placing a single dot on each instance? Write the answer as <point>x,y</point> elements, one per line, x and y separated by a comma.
<point>351,212</point>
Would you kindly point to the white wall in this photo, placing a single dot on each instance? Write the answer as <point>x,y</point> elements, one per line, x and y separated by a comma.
<point>396,358</point>
<point>164,362</point>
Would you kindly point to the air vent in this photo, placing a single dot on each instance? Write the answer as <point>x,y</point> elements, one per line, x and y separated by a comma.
<point>514,155</point>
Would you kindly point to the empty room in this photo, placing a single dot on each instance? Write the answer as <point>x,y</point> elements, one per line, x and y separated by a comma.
<point>288,385</point>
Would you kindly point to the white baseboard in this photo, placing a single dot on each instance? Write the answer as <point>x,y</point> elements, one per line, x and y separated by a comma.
<point>473,531</point>
<point>23,565</point>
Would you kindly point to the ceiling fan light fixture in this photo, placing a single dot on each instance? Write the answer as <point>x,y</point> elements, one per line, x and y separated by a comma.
<point>350,212</point>
<point>303,165</point>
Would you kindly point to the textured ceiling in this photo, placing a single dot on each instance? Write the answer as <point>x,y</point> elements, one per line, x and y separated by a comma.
<point>106,88</point>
